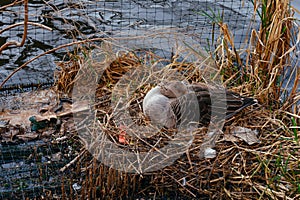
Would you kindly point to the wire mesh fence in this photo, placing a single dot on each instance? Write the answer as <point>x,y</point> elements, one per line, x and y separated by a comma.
<point>55,23</point>
<point>57,28</point>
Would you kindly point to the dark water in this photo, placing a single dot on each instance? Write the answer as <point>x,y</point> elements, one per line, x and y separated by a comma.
<point>76,20</point>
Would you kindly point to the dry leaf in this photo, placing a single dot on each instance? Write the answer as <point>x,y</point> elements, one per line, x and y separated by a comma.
<point>18,118</point>
<point>230,138</point>
<point>46,116</point>
<point>28,136</point>
<point>76,107</point>
<point>246,134</point>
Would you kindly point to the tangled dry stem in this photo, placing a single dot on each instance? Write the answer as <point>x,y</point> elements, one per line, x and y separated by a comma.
<point>240,171</point>
<point>269,169</point>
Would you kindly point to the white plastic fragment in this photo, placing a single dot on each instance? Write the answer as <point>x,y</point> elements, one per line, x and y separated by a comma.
<point>210,153</point>
<point>76,186</point>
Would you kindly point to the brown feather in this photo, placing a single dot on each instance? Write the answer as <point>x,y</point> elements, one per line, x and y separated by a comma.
<point>226,103</point>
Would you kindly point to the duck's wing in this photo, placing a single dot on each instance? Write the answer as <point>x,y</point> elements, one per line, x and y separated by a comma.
<point>207,101</point>
<point>191,108</point>
<point>222,98</point>
<point>211,101</point>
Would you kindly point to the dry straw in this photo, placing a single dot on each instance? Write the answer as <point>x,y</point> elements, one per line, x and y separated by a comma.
<point>269,169</point>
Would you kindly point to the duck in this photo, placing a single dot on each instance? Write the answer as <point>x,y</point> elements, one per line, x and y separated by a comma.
<point>171,103</point>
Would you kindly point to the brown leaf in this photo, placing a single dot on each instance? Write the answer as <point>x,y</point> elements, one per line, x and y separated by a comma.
<point>246,134</point>
<point>18,118</point>
<point>230,138</point>
<point>28,136</point>
<point>76,107</point>
<point>46,116</point>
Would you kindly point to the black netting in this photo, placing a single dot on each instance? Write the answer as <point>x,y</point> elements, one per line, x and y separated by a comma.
<point>32,169</point>
<point>77,20</point>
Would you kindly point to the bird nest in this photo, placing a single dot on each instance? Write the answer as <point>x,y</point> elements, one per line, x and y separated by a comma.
<point>240,170</point>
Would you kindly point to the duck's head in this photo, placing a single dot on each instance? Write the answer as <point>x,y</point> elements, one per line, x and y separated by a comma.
<point>173,89</point>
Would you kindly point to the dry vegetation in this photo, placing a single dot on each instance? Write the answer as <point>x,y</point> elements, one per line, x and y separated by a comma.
<point>269,169</point>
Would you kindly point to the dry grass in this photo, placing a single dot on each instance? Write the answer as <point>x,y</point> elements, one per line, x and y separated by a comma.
<point>270,169</point>
<point>240,171</point>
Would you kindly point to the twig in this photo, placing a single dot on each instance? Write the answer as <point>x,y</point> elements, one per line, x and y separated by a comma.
<point>21,23</point>
<point>73,161</point>
<point>10,43</point>
<point>190,192</point>
<point>12,4</point>
<point>45,53</point>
